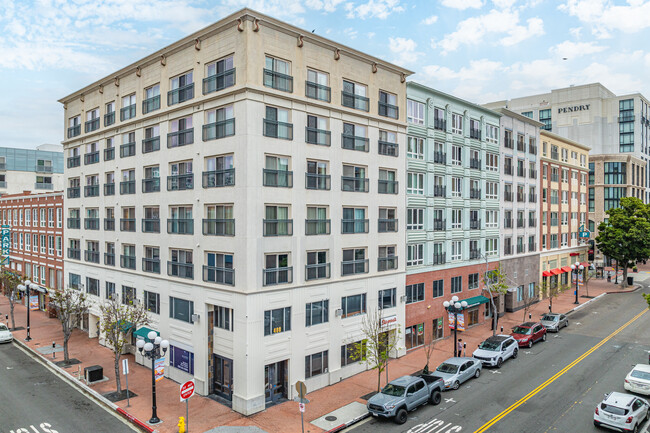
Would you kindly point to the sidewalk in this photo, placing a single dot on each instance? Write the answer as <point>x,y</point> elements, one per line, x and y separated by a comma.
<point>206,414</point>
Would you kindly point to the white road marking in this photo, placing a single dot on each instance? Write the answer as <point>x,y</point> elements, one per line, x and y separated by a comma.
<point>436,426</point>
<point>578,323</point>
<point>495,372</point>
<point>450,400</point>
<point>527,352</point>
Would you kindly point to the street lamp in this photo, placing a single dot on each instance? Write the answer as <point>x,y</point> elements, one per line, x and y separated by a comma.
<point>577,268</point>
<point>26,287</point>
<point>151,350</point>
<point>455,307</point>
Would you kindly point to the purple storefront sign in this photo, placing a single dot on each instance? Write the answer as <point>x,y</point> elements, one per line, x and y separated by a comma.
<point>181,359</point>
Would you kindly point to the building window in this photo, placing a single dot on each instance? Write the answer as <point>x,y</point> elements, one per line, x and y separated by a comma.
<point>456,284</point>
<point>128,295</point>
<point>414,293</point>
<point>612,197</point>
<point>415,219</point>
<point>491,246</point>
<point>180,309</point>
<point>415,148</point>
<point>456,187</point>
<point>110,290</point>
<point>438,288</point>
<point>456,155</point>
<point>414,336</point>
<point>92,285</point>
<point>545,118</point>
<point>354,95</point>
<point>457,123</point>
<point>277,74</point>
<point>317,86</point>
<point>353,305</point>
<point>152,99</point>
<point>472,281</point>
<point>414,112</point>
<point>456,250</point>
<point>615,173</point>
<point>220,74</point>
<point>414,254</point>
<point>352,353</point>
<point>387,298</point>
<point>388,105</point>
<point>456,218</point>
<point>317,312</point>
<point>152,302</point>
<point>316,364</point>
<point>224,318</point>
<point>277,321</point>
<point>491,134</point>
<point>415,183</point>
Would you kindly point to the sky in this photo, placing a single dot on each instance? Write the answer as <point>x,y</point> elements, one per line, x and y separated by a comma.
<point>479,50</point>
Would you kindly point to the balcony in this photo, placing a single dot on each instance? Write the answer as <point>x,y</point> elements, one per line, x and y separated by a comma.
<point>127,187</point>
<point>219,81</point>
<point>349,226</point>
<point>151,104</point>
<point>521,146</point>
<point>278,227</point>
<point>109,224</point>
<point>440,157</point>
<point>321,137</point>
<point>532,174</point>
<point>150,144</point>
<point>109,118</point>
<point>182,94</point>
<point>521,172</point>
<point>439,225</point>
<point>150,225</point>
<point>508,142</point>
<point>127,224</point>
<point>219,227</point>
<point>507,223</point>
<point>74,192</point>
<point>151,265</point>
<point>180,182</point>
<point>520,249</point>
<point>317,271</point>
<point>355,101</point>
<point>127,262</point>
<point>507,169</point>
<point>74,253</point>
<point>39,168</point>
<point>318,91</point>
<point>317,181</point>
<point>388,149</point>
<point>475,133</point>
<point>91,256</point>
<point>475,164</point>
<point>354,184</point>
<point>532,198</point>
<point>387,225</point>
<point>180,138</point>
<point>73,131</point>
<point>475,194</point>
<point>180,226</point>
<point>74,161</point>
<point>352,142</point>
<point>521,197</point>
<point>127,113</point>
<point>507,250</point>
<point>532,248</point>
<point>387,186</point>
<point>474,254</point>
<point>91,223</point>
<point>277,178</point>
<point>213,274</point>
<point>109,189</point>
<point>220,129</point>
<point>127,149</point>
<point>90,158</point>
<point>352,267</point>
<point>439,191</point>
<point>219,178</point>
<point>278,81</point>
<point>388,110</point>
<point>532,222</point>
<point>317,227</point>
<point>386,263</point>
<point>474,224</point>
<point>91,190</point>
<point>275,129</point>
<point>532,149</point>
<point>74,223</point>
<point>151,185</point>
<point>109,259</point>
<point>439,124</point>
<point>109,154</point>
<point>521,223</point>
<point>91,125</point>
<point>275,276</point>
<point>507,195</point>
<point>43,185</point>
<point>439,258</point>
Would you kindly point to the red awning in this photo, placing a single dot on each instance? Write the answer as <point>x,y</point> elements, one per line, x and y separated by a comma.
<point>546,274</point>
<point>556,271</point>
<point>566,269</point>
<point>585,264</point>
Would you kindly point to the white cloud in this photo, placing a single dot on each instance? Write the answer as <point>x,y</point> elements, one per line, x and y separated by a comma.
<point>325,5</point>
<point>404,49</point>
<point>373,9</point>
<point>518,34</point>
<point>370,35</point>
<point>479,70</point>
<point>430,20</point>
<point>463,4</point>
<point>604,16</point>
<point>504,4</point>
<point>350,33</point>
<point>572,50</point>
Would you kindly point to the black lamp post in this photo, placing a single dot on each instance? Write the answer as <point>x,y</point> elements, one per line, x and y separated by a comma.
<point>152,350</point>
<point>576,269</point>
<point>455,307</point>
<point>27,287</point>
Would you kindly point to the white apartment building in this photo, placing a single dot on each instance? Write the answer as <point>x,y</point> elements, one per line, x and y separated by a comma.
<point>247,184</point>
<point>38,170</point>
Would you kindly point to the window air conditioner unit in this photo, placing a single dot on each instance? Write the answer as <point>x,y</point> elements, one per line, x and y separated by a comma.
<point>402,298</point>
<point>195,317</point>
<point>338,312</point>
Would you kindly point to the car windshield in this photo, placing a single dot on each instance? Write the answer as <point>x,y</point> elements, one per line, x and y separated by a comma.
<point>521,330</point>
<point>635,373</point>
<point>3,328</point>
<point>393,390</point>
<point>447,368</point>
<point>550,318</point>
<point>490,345</point>
<point>613,409</point>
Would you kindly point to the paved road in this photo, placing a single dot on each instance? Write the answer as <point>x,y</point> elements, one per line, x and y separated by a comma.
<point>564,405</point>
<point>34,400</point>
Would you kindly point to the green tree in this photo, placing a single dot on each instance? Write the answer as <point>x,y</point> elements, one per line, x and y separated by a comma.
<point>70,306</point>
<point>10,283</point>
<point>552,291</point>
<point>647,298</point>
<point>625,236</point>
<point>494,283</point>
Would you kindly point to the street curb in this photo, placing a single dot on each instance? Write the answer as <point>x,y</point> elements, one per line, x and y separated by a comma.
<point>85,389</point>
<point>349,423</point>
<point>573,310</point>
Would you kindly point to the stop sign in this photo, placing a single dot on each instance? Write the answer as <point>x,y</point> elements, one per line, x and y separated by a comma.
<point>187,390</point>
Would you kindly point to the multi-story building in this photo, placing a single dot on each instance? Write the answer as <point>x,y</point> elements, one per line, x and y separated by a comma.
<point>563,206</point>
<point>519,234</point>
<point>247,184</point>
<point>453,216</point>
<point>39,169</point>
<point>35,222</point>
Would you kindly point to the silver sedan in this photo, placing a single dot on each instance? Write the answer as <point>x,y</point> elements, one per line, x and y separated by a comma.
<point>553,322</point>
<point>455,371</point>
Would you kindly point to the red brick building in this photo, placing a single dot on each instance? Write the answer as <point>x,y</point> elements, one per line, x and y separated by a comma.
<point>35,222</point>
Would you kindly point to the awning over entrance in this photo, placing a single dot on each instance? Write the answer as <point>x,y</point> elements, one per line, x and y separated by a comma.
<point>143,332</point>
<point>556,271</point>
<point>566,269</point>
<point>585,264</point>
<point>125,326</point>
<point>546,274</point>
<point>476,300</point>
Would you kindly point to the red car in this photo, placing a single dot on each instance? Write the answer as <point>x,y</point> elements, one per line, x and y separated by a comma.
<point>528,333</point>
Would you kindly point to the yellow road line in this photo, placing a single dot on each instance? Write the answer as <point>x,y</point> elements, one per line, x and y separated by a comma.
<point>557,375</point>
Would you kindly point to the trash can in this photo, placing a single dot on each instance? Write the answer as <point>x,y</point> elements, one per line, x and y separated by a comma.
<point>93,373</point>
<point>630,281</point>
<point>609,278</point>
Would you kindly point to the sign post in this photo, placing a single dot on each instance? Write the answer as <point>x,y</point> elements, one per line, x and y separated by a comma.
<point>125,371</point>
<point>302,390</point>
<point>187,391</point>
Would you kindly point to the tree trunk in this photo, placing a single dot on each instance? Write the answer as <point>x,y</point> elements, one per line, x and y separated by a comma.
<point>13,320</point>
<point>66,337</point>
<point>624,283</point>
<point>494,315</point>
<point>117,372</point>
<point>378,379</point>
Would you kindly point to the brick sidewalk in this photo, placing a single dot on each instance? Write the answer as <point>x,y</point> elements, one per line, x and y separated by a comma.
<point>284,418</point>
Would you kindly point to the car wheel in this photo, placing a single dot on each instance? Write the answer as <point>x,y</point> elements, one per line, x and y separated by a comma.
<point>435,397</point>
<point>636,429</point>
<point>530,343</point>
<point>499,363</point>
<point>456,385</point>
<point>566,324</point>
<point>401,416</point>
<point>515,354</point>
<point>478,373</point>
<point>544,337</point>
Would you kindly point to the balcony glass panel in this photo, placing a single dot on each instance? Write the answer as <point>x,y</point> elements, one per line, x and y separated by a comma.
<point>220,129</point>
<point>219,178</point>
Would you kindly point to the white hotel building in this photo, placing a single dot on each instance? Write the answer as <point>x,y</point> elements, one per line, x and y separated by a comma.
<point>247,184</point>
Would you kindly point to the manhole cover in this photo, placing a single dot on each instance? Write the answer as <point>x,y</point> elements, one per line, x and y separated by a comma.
<point>330,418</point>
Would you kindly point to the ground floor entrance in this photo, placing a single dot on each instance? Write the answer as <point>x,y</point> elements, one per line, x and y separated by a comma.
<point>276,377</point>
<point>222,378</point>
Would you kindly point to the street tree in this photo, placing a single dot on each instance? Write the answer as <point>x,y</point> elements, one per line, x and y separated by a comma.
<point>552,291</point>
<point>647,298</point>
<point>625,235</point>
<point>494,283</point>
<point>529,300</point>
<point>70,306</point>
<point>377,344</point>
<point>116,324</point>
<point>10,284</point>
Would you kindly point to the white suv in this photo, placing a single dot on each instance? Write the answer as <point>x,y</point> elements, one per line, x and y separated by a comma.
<point>621,412</point>
<point>495,350</point>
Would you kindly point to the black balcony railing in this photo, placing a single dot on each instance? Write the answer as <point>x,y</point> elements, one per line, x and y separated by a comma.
<point>109,259</point>
<point>387,148</point>
<point>74,253</point>
<point>109,154</point>
<point>150,225</point>
<point>351,267</point>
<point>74,192</point>
<point>321,137</point>
<point>109,224</point>
<point>151,184</point>
<point>318,91</point>
<point>91,190</point>
<point>352,142</point>
<point>532,149</point>
<point>180,226</point>
<point>219,227</point>
<point>277,178</point>
<point>150,144</point>
<point>507,169</point>
<point>109,189</point>
<point>521,146</point>
<point>439,258</point>
<point>91,125</point>
<point>439,225</point>
<point>354,184</point>
<point>151,265</point>
<point>474,254</point>
<point>355,101</point>
<point>109,118</point>
<point>219,178</point>
<point>507,223</point>
<point>74,161</point>
<point>521,223</point>
<point>278,81</point>
<point>91,158</point>
<point>317,271</point>
<point>91,223</point>
<point>180,182</point>
<point>521,248</point>
<point>127,113</point>
<point>317,227</point>
<point>151,104</point>
<point>127,149</point>
<point>474,224</point>
<point>508,142</point>
<point>74,223</point>
<point>439,124</point>
<point>475,133</point>
<point>507,195</point>
<point>387,225</point>
<point>275,276</point>
<point>349,226</point>
<point>278,227</point>
<point>220,129</point>
<point>213,274</point>
<point>91,256</point>
<point>219,81</point>
<point>532,174</point>
<point>439,191</point>
<point>532,248</point>
<point>440,157</point>
<point>73,131</point>
<point>180,138</point>
<point>275,129</point>
<point>532,222</point>
<point>507,250</point>
<point>521,197</point>
<point>127,262</point>
<point>127,187</point>
<point>182,94</point>
<point>387,186</point>
<point>388,110</point>
<point>317,181</point>
<point>127,224</point>
<point>386,263</point>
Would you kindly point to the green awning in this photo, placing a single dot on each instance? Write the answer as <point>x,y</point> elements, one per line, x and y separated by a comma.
<point>143,332</point>
<point>476,300</point>
<point>125,326</point>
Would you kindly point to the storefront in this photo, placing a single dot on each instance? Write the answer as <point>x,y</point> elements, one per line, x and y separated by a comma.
<point>414,336</point>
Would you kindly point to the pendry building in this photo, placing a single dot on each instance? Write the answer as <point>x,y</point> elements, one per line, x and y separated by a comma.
<point>247,184</point>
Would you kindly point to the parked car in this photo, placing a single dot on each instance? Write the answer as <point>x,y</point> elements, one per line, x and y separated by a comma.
<point>621,412</point>
<point>553,322</point>
<point>496,349</point>
<point>455,371</point>
<point>404,395</point>
<point>528,333</point>
<point>5,334</point>
<point>638,380</point>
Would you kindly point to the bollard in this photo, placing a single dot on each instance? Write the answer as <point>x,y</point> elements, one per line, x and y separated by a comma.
<point>181,424</point>
<point>530,316</point>
<point>502,328</point>
<point>53,352</point>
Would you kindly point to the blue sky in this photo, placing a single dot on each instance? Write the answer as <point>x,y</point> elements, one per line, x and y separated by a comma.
<point>480,50</point>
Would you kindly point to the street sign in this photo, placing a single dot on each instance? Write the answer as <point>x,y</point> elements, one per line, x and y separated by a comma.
<point>125,366</point>
<point>187,390</point>
<point>301,388</point>
<point>301,406</point>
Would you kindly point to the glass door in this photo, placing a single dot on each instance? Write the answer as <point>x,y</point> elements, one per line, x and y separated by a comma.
<point>222,381</point>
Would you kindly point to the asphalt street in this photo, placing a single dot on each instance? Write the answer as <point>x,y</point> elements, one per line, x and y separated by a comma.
<point>565,404</point>
<point>34,400</point>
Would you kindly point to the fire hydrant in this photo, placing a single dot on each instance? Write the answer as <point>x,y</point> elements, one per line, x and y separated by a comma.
<point>181,424</point>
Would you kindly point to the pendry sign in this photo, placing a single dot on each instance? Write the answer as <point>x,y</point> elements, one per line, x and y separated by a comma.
<point>573,108</point>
